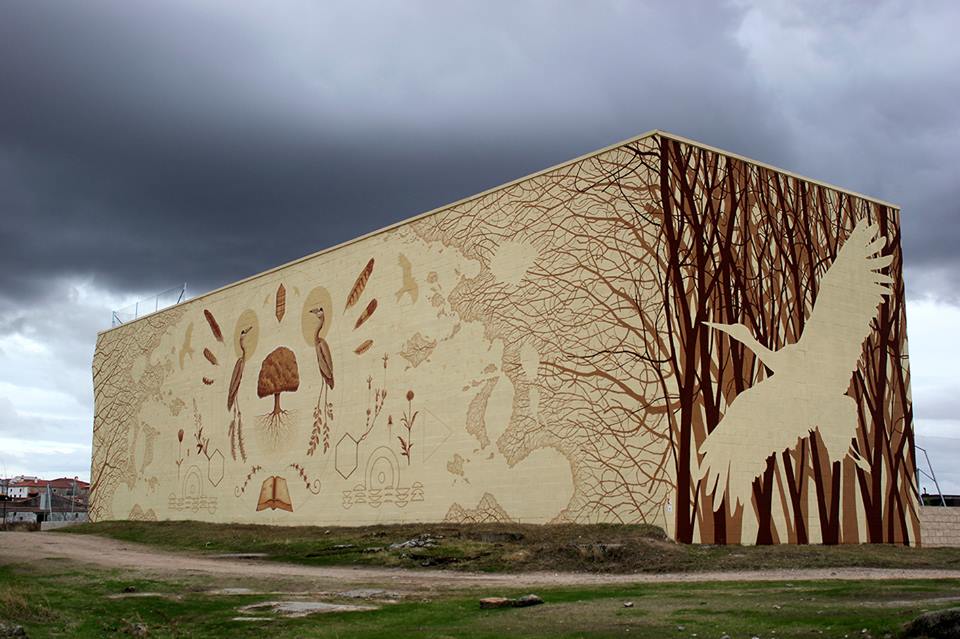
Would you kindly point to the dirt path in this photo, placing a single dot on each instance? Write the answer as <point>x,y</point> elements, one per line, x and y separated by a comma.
<point>29,547</point>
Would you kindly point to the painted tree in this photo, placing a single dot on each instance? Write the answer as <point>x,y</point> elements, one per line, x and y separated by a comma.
<point>636,248</point>
<point>278,374</point>
<point>742,243</point>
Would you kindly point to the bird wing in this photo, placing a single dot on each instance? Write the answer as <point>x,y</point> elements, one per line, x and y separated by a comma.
<point>762,421</point>
<point>325,361</point>
<point>729,464</point>
<point>234,383</point>
<point>849,294</point>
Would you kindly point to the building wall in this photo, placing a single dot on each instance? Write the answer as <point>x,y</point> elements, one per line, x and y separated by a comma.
<point>542,353</point>
<point>62,523</point>
<point>73,517</point>
<point>14,517</point>
<point>940,526</point>
<point>56,516</point>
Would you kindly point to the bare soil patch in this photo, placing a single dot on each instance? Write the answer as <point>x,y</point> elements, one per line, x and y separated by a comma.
<point>514,548</point>
<point>110,553</point>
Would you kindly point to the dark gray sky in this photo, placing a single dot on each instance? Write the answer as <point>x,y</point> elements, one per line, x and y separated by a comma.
<point>144,145</point>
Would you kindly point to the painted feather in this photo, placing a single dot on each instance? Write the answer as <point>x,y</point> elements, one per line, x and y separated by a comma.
<point>359,285</point>
<point>367,312</point>
<point>364,347</point>
<point>214,327</point>
<point>281,304</point>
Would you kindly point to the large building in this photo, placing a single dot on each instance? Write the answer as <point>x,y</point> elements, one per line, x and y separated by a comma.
<point>657,332</point>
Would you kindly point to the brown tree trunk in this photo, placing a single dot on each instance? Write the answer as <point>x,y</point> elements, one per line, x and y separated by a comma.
<point>795,488</point>
<point>828,495</point>
<point>763,500</point>
<point>850,532</point>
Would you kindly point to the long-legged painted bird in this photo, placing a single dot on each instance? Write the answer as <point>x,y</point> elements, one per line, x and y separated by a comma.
<point>324,359</point>
<point>323,414</point>
<point>807,390</point>
<point>236,428</point>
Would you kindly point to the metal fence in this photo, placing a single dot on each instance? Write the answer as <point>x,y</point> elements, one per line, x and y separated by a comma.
<point>148,305</point>
<point>929,475</point>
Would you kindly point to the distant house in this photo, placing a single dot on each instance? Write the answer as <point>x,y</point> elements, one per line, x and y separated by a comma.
<point>69,487</point>
<point>43,506</point>
<point>26,487</point>
<point>21,489</point>
<point>35,500</point>
<point>63,486</point>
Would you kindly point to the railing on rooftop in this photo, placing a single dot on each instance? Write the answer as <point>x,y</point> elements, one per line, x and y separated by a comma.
<point>164,299</point>
<point>929,475</point>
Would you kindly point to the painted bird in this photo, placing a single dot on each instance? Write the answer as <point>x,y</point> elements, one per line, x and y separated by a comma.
<point>238,370</point>
<point>807,390</point>
<point>324,359</point>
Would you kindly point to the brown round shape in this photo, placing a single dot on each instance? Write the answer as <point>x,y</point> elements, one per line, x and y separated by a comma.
<point>278,373</point>
<point>317,297</point>
<point>247,319</point>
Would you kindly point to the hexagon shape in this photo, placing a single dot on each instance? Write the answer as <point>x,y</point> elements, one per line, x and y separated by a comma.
<point>346,455</point>
<point>215,467</point>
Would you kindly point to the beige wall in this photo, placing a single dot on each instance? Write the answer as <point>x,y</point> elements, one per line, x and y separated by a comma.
<point>518,356</point>
<point>940,526</point>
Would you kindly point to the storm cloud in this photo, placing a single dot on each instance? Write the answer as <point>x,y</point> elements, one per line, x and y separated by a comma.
<point>145,145</point>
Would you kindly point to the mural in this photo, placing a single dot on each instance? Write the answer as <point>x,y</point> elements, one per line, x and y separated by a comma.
<point>806,392</point>
<point>656,333</point>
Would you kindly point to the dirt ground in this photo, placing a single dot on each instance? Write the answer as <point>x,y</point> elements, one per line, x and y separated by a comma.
<point>16,547</point>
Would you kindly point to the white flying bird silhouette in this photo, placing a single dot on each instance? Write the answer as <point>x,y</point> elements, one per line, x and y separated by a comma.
<point>810,377</point>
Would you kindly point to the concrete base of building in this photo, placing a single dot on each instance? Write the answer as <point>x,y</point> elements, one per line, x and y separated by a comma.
<point>53,525</point>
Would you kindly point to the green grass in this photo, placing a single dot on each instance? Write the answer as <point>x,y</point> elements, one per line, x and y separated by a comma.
<point>53,600</point>
<point>508,548</point>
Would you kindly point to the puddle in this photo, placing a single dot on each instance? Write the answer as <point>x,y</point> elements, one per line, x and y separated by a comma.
<point>137,595</point>
<point>369,593</point>
<point>251,619</point>
<point>232,591</point>
<point>911,602</point>
<point>302,608</point>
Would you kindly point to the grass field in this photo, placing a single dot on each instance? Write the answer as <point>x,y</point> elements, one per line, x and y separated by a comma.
<point>54,600</point>
<point>508,548</point>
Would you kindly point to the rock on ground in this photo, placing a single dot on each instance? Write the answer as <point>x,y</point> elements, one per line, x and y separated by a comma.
<point>939,624</point>
<point>503,602</point>
<point>11,630</point>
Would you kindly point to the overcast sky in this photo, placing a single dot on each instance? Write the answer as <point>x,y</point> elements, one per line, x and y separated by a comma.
<point>143,145</point>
